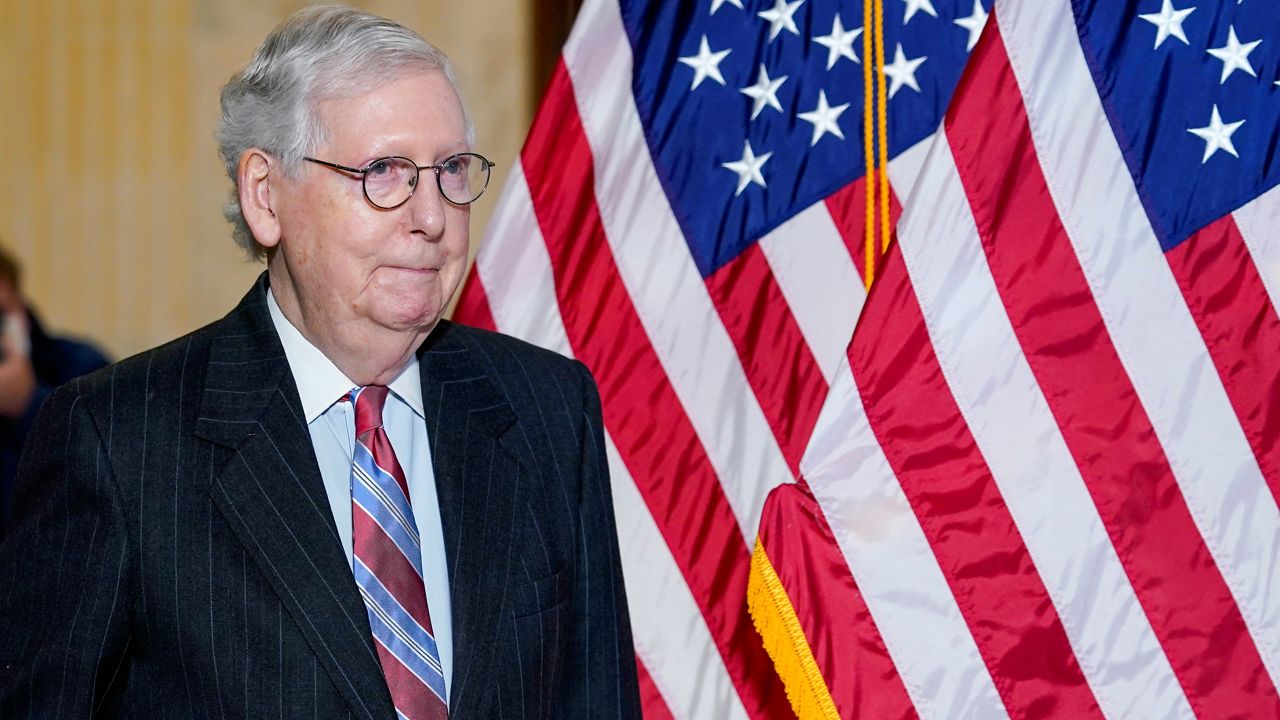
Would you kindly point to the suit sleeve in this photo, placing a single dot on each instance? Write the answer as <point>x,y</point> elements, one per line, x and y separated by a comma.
<point>64,574</point>
<point>602,678</point>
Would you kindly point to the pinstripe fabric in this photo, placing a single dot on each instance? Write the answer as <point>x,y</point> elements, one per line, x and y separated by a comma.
<point>175,555</point>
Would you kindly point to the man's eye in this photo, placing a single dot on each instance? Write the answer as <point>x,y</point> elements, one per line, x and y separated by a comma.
<point>454,166</point>
<point>379,168</point>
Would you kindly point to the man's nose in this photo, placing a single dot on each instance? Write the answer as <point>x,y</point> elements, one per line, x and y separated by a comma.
<point>427,206</point>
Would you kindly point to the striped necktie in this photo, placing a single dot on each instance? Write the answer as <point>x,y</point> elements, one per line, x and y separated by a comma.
<point>388,567</point>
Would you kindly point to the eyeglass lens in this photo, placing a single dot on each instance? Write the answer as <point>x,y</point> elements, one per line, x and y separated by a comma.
<point>389,182</point>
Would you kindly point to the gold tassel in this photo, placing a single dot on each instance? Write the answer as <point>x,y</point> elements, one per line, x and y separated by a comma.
<point>775,619</point>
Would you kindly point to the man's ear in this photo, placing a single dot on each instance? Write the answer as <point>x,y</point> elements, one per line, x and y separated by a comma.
<point>254,182</point>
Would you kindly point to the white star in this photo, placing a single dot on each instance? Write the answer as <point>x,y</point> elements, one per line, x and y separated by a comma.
<point>839,43</point>
<point>1234,55</point>
<point>902,71</point>
<point>781,17</point>
<point>715,4</point>
<point>974,23</point>
<point>764,92</point>
<point>825,119</point>
<point>1168,22</point>
<point>1217,135</point>
<point>914,6</point>
<point>748,168</point>
<point>705,64</point>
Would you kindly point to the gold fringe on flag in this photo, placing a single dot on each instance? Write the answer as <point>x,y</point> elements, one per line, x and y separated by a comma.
<point>775,619</point>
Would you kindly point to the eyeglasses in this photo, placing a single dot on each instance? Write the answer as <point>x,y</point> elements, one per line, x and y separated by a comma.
<point>389,182</point>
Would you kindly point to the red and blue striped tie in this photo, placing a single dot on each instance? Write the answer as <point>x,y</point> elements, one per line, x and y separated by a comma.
<point>388,567</point>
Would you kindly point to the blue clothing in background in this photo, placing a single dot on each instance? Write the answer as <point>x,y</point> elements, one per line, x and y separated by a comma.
<point>55,361</point>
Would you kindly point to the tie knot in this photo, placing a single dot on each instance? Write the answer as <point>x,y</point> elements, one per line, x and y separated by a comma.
<point>369,401</point>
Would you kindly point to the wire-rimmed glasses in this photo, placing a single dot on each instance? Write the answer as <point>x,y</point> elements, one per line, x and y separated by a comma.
<point>390,181</point>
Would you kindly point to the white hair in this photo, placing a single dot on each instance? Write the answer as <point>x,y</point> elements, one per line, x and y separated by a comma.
<point>317,54</point>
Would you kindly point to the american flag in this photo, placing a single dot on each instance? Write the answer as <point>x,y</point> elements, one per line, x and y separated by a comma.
<point>1044,479</point>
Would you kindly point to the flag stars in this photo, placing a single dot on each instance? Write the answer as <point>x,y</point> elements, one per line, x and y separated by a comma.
<point>824,118</point>
<point>1217,135</point>
<point>705,64</point>
<point>1234,55</point>
<point>1168,22</point>
<point>902,71</point>
<point>715,4</point>
<point>781,17</point>
<point>915,6</point>
<point>839,43</point>
<point>748,168</point>
<point>764,92</point>
<point>974,23</point>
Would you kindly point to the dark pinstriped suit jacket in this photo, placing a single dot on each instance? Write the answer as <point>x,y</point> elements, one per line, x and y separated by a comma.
<point>175,556</point>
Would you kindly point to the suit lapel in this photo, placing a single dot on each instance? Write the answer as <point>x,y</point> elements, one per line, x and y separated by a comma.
<point>477,477</point>
<point>273,498</point>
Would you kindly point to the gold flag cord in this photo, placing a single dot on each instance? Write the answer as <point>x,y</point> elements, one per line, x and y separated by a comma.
<point>875,136</point>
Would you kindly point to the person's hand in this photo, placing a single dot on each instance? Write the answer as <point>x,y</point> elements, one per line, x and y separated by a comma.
<point>17,376</point>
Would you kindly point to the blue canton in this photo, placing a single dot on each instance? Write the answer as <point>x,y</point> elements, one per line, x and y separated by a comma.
<point>1192,89</point>
<point>738,148</point>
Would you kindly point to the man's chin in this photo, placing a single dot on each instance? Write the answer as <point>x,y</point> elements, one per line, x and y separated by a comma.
<point>411,317</point>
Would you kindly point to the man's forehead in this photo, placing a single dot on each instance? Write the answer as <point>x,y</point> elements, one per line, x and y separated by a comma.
<point>401,117</point>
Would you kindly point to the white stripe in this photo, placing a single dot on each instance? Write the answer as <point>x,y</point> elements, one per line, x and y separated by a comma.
<point>515,271</point>
<point>817,275</point>
<point>824,291</point>
<point>671,636</point>
<point>665,286</point>
<point>1038,478</point>
<point>893,564</point>
<point>1145,314</point>
<point>904,170</point>
<point>1259,223</point>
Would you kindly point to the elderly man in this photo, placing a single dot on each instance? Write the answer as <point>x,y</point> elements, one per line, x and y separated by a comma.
<point>331,503</point>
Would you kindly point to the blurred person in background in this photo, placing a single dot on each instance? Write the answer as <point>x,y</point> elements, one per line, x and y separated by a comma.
<point>32,364</point>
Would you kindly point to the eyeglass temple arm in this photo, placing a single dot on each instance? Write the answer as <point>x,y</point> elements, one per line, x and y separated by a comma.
<point>336,166</point>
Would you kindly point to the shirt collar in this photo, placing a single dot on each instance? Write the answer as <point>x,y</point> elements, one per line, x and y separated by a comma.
<point>320,382</point>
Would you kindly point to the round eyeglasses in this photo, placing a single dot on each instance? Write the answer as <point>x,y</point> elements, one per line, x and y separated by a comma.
<point>389,182</point>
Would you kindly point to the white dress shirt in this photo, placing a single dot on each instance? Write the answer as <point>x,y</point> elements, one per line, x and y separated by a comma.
<point>332,426</point>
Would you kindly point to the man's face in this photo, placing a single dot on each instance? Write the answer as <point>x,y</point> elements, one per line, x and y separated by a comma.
<point>355,269</point>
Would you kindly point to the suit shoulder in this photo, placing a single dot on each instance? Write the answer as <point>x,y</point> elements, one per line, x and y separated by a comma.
<point>511,354</point>
<point>159,371</point>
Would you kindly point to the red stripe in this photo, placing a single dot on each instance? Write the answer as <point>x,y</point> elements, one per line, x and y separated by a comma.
<point>410,695</point>
<point>848,208</point>
<point>641,409</point>
<point>473,305</point>
<point>1101,417</point>
<point>1231,306</point>
<point>652,706</point>
<point>383,557</point>
<point>779,365</point>
<point>947,481</point>
<point>841,632</point>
